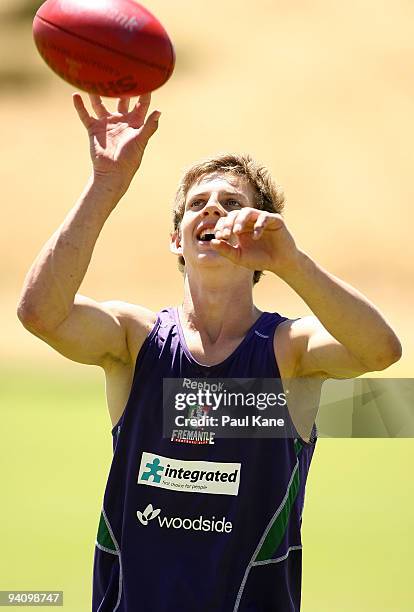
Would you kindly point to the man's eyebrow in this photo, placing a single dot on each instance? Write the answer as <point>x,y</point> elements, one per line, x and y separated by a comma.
<point>221,192</point>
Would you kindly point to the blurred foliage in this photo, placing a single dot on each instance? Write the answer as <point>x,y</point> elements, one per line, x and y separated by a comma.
<point>20,11</point>
<point>19,70</point>
<point>19,78</point>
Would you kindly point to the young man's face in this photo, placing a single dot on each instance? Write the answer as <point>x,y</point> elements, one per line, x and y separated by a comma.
<point>208,200</point>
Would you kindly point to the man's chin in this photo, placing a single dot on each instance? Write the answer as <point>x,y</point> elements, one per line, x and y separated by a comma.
<point>210,259</point>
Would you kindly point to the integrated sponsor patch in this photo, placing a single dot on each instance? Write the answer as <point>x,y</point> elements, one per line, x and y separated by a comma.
<point>189,476</point>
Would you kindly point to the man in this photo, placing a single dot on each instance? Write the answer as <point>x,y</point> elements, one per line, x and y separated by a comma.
<point>209,526</point>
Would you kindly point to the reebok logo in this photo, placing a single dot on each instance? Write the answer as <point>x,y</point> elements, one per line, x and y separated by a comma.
<point>189,476</point>
<point>189,524</point>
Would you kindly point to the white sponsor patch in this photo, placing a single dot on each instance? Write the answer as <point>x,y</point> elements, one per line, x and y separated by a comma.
<point>199,523</point>
<point>189,476</point>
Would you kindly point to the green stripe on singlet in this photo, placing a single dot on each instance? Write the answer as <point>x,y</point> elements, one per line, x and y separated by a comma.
<point>104,537</point>
<point>298,446</point>
<point>278,528</point>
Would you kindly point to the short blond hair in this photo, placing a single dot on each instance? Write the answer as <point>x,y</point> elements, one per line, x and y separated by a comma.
<point>268,195</point>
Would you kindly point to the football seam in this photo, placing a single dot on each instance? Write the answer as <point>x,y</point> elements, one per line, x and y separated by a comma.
<point>92,42</point>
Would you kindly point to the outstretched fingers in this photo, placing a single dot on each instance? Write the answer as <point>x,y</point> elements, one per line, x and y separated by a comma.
<point>123,105</point>
<point>98,106</point>
<point>141,108</point>
<point>150,126</point>
<point>84,116</point>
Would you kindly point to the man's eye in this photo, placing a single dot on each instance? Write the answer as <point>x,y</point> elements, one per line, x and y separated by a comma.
<point>196,204</point>
<point>233,203</point>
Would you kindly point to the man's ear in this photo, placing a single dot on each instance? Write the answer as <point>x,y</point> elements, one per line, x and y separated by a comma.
<point>175,243</point>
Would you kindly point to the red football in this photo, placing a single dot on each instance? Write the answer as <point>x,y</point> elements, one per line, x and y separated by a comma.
<point>113,48</point>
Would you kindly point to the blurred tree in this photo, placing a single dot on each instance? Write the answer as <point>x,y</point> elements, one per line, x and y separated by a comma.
<point>21,10</point>
<point>18,72</point>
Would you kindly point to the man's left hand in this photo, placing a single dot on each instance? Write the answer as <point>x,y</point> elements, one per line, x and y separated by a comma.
<point>256,239</point>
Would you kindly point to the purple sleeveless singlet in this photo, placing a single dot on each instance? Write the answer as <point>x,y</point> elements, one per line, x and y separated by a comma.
<point>161,549</point>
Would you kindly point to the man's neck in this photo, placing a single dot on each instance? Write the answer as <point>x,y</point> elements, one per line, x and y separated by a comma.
<point>218,310</point>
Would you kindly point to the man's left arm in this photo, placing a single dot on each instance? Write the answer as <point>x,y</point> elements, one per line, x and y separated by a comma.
<point>348,336</point>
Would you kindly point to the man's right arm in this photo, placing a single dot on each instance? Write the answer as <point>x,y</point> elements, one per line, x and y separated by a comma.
<point>50,306</point>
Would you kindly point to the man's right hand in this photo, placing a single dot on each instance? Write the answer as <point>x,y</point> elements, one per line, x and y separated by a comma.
<point>117,140</point>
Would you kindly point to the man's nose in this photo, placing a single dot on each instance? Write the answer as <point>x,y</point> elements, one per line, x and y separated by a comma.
<point>214,207</point>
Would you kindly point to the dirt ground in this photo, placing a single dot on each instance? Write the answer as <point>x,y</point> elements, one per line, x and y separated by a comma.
<point>319,91</point>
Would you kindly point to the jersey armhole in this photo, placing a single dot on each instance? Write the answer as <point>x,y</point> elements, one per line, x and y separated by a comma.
<point>313,434</point>
<point>141,351</point>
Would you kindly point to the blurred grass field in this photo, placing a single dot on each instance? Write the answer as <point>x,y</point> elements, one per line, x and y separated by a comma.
<point>56,453</point>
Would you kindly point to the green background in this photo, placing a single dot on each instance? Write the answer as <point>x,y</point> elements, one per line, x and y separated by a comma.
<point>56,452</point>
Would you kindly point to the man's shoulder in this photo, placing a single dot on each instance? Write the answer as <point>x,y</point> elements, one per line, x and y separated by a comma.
<point>136,320</point>
<point>285,347</point>
<point>131,313</point>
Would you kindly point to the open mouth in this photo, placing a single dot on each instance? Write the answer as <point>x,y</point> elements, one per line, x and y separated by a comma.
<point>206,235</point>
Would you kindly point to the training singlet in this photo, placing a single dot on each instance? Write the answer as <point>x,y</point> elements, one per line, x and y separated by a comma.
<point>191,527</point>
